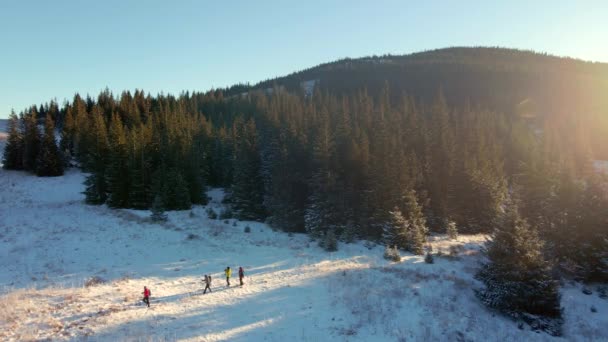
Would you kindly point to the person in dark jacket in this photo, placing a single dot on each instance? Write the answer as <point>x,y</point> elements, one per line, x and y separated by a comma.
<point>147,293</point>
<point>207,282</point>
<point>241,275</point>
<point>228,273</point>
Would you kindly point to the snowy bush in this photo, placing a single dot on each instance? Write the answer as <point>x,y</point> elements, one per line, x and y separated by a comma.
<point>451,230</point>
<point>602,292</point>
<point>369,245</point>
<point>158,210</point>
<point>392,254</point>
<point>330,242</point>
<point>93,281</point>
<point>226,213</point>
<point>454,251</point>
<point>192,237</point>
<point>211,214</point>
<point>349,232</point>
<point>429,258</point>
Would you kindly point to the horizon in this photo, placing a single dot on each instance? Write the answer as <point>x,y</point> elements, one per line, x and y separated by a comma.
<point>169,48</point>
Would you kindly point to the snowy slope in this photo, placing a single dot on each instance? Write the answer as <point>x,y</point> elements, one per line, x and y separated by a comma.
<point>51,244</point>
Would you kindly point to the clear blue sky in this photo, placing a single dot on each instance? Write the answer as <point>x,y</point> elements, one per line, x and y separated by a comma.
<point>52,49</point>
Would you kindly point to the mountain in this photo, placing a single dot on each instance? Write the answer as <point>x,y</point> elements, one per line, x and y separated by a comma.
<point>533,85</point>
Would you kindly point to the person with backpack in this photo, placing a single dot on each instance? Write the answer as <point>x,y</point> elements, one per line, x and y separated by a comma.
<point>241,275</point>
<point>228,273</point>
<point>147,293</point>
<point>207,282</point>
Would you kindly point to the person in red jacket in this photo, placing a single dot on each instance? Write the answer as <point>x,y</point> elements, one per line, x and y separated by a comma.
<point>241,275</point>
<point>147,293</point>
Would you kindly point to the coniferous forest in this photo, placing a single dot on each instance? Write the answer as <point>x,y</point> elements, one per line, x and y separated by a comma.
<point>371,153</point>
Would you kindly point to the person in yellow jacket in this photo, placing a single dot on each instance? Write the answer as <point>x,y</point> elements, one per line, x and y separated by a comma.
<point>228,272</point>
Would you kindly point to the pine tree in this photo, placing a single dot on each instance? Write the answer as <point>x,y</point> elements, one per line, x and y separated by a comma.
<point>49,162</point>
<point>31,141</point>
<point>139,189</point>
<point>178,191</point>
<point>415,224</point>
<point>591,234</point>
<point>13,151</point>
<point>392,253</point>
<point>395,231</point>
<point>247,191</point>
<point>96,191</point>
<point>330,242</point>
<point>68,133</point>
<point>116,171</point>
<point>158,210</point>
<point>440,158</point>
<point>451,230</point>
<point>321,214</point>
<point>81,139</point>
<point>517,278</point>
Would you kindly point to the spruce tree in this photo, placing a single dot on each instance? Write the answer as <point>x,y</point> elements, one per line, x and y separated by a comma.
<point>81,139</point>
<point>415,224</point>
<point>330,241</point>
<point>392,253</point>
<point>517,278</point>
<point>178,191</point>
<point>68,131</point>
<point>96,191</point>
<point>591,235</point>
<point>50,162</point>
<point>395,231</point>
<point>31,141</point>
<point>13,151</point>
<point>321,214</point>
<point>116,171</point>
<point>158,210</point>
<point>247,191</point>
<point>451,230</point>
<point>139,189</point>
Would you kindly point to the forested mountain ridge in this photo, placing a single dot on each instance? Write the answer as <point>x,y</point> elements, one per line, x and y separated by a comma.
<point>450,68</point>
<point>547,88</point>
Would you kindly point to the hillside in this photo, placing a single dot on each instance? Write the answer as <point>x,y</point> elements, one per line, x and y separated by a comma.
<point>514,74</point>
<point>293,290</point>
<point>515,82</point>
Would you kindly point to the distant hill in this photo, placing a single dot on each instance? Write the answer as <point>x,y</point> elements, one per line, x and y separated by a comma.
<point>498,77</point>
<point>525,83</point>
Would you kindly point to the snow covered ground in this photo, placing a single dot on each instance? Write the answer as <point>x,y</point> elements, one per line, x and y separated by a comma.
<point>51,244</point>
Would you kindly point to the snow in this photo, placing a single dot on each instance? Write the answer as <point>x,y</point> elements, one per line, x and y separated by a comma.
<point>51,243</point>
<point>309,86</point>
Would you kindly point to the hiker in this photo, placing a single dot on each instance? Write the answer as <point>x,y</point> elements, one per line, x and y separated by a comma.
<point>228,272</point>
<point>241,275</point>
<point>207,282</point>
<point>147,293</point>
